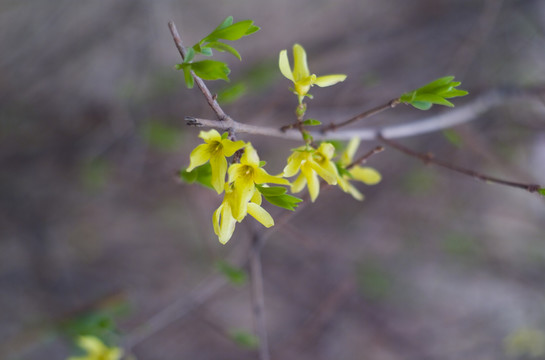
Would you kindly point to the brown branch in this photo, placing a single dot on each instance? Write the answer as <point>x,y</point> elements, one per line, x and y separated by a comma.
<point>429,159</point>
<point>364,157</point>
<point>376,110</point>
<point>211,99</point>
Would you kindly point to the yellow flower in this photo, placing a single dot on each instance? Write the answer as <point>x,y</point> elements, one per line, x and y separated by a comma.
<point>224,222</point>
<point>96,350</point>
<point>312,163</point>
<point>214,149</point>
<point>244,176</point>
<point>300,75</point>
<point>366,175</point>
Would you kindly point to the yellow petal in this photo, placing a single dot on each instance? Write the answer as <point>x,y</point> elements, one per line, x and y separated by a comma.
<point>354,192</point>
<point>242,194</point>
<point>230,147</point>
<point>299,183</point>
<point>250,156</point>
<point>327,171</point>
<point>199,156</point>
<point>256,198</point>
<point>312,181</point>
<point>300,67</point>
<point>219,169</point>
<point>328,80</point>
<point>260,215</point>
<point>350,151</point>
<point>224,223</point>
<point>366,175</point>
<point>327,150</point>
<point>210,135</point>
<point>284,65</point>
<point>262,177</point>
<point>294,162</point>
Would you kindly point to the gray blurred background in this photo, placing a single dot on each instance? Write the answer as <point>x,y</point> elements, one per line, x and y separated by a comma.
<point>94,225</point>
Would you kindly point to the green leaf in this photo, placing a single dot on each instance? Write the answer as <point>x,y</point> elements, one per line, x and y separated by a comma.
<point>277,196</point>
<point>271,190</point>
<point>224,47</point>
<point>436,92</point>
<point>244,339</point>
<point>234,274</point>
<point>232,32</point>
<point>189,55</point>
<point>262,163</point>
<point>210,69</point>
<point>285,201</point>
<point>188,77</point>
<point>225,135</point>
<point>542,191</point>
<point>311,122</point>
<point>201,175</point>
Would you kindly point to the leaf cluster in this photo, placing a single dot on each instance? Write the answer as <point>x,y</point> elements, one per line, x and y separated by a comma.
<point>436,92</point>
<point>214,69</point>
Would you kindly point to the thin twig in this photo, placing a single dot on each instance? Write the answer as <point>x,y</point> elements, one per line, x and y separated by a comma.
<point>389,105</point>
<point>429,159</point>
<point>364,157</point>
<point>457,116</point>
<point>200,83</point>
<point>258,295</point>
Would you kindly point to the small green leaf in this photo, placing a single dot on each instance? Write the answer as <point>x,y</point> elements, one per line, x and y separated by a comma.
<point>244,339</point>
<point>225,135</point>
<point>188,77</point>
<point>269,191</point>
<point>421,105</point>
<point>224,47</point>
<point>234,274</point>
<point>311,122</point>
<point>201,175</point>
<point>189,55</point>
<point>262,163</point>
<point>210,69</point>
<point>285,201</point>
<point>232,32</point>
<point>542,191</point>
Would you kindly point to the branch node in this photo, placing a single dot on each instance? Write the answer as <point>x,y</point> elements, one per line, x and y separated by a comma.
<point>191,121</point>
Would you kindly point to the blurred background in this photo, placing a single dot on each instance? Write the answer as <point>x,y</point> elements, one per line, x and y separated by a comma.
<point>97,235</point>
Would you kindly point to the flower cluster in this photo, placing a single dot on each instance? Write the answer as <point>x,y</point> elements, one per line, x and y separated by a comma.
<point>241,195</point>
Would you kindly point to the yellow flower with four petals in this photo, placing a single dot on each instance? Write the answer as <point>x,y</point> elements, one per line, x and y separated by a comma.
<point>300,75</point>
<point>215,149</point>
<point>312,163</point>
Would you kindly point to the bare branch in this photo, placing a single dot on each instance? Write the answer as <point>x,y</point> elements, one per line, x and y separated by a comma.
<point>389,105</point>
<point>457,116</point>
<point>428,158</point>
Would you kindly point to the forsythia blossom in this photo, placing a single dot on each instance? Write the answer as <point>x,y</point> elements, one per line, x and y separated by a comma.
<point>300,75</point>
<point>312,162</point>
<point>244,176</point>
<point>224,222</point>
<point>215,148</point>
<point>96,350</point>
<point>366,175</point>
